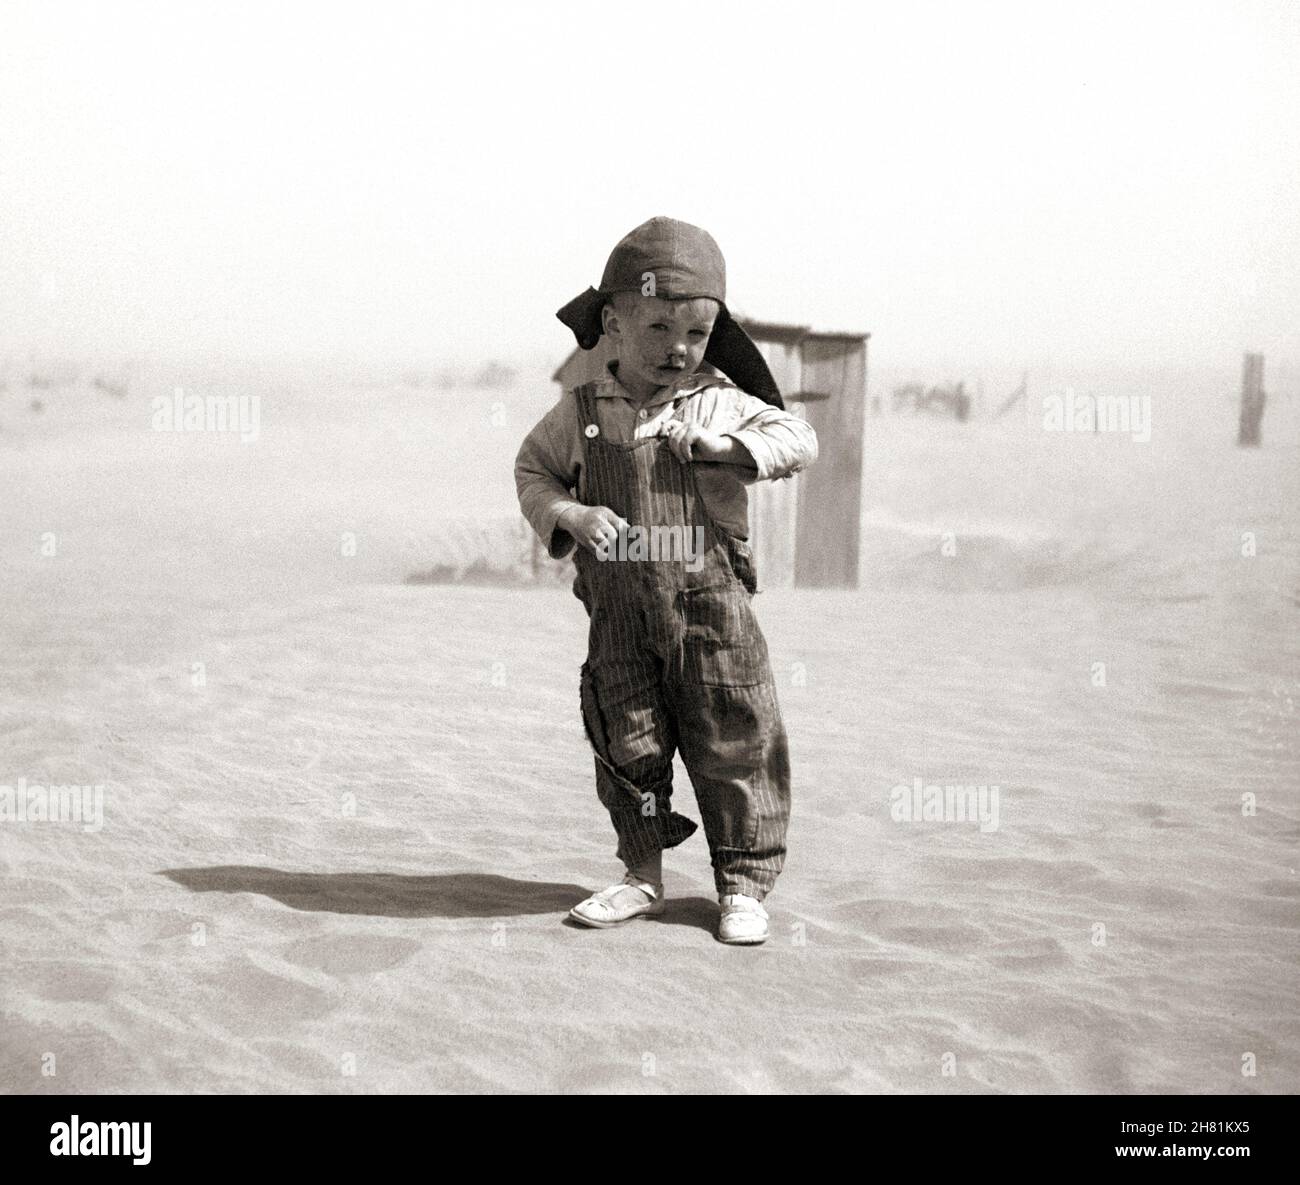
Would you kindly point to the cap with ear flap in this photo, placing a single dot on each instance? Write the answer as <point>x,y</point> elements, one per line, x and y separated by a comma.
<point>677,261</point>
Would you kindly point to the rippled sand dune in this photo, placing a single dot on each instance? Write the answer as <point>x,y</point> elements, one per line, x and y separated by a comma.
<point>343,818</point>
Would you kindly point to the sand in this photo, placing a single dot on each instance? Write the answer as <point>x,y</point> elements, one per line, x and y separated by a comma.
<point>336,857</point>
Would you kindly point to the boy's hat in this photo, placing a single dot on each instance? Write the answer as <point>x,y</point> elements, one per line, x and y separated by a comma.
<point>685,263</point>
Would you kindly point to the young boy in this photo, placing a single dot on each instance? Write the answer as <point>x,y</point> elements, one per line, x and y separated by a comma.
<point>654,452</point>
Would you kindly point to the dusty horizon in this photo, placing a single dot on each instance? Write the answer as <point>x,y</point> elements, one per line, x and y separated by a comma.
<point>999,188</point>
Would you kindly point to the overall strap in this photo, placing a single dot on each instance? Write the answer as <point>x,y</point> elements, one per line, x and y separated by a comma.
<point>585,396</point>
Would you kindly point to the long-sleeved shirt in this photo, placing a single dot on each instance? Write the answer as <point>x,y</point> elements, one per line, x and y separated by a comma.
<point>548,468</point>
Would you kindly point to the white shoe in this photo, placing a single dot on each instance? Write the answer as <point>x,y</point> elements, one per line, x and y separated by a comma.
<point>743,921</point>
<point>620,903</point>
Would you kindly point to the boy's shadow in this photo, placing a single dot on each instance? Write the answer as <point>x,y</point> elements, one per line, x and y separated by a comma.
<point>386,894</point>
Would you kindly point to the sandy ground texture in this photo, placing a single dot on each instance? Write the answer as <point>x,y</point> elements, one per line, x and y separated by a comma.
<point>343,818</point>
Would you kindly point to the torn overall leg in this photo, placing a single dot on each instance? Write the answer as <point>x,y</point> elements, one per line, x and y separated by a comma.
<point>631,734</point>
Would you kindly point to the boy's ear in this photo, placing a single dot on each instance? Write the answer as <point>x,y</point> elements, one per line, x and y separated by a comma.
<point>609,320</point>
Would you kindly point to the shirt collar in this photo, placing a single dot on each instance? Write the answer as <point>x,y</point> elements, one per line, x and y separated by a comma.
<point>608,387</point>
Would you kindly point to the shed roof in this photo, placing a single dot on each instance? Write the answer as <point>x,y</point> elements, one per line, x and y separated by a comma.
<point>769,331</point>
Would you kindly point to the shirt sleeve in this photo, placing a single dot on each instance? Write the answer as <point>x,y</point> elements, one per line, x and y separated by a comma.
<point>546,473</point>
<point>780,443</point>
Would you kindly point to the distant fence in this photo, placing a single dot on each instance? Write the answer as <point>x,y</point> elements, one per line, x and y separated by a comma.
<point>498,551</point>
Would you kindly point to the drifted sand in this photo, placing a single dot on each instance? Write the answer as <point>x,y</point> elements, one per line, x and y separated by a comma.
<point>343,861</point>
<point>237,925</point>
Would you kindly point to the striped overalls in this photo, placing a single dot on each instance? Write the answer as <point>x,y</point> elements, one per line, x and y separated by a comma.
<point>676,662</point>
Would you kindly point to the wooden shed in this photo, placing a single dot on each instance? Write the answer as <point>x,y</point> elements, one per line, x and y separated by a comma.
<point>804,529</point>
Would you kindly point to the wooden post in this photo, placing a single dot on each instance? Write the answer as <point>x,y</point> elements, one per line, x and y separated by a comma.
<point>1252,400</point>
<point>830,492</point>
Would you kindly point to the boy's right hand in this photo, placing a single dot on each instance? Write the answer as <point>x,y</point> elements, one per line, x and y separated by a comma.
<point>596,528</point>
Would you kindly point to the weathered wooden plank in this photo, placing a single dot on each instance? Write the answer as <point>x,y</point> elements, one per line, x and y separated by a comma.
<point>830,495</point>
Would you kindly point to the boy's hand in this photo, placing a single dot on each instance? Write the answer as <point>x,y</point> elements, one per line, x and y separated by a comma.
<point>690,442</point>
<point>597,528</point>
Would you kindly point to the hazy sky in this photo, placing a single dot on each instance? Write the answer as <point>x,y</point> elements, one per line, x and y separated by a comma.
<point>379,181</point>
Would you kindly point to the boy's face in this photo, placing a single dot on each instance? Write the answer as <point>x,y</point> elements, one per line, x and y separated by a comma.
<point>658,341</point>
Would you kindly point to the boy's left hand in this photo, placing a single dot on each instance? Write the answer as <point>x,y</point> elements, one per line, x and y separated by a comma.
<point>690,442</point>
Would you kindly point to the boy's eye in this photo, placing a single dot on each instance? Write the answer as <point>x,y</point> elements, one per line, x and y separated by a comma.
<point>658,325</point>
<point>697,333</point>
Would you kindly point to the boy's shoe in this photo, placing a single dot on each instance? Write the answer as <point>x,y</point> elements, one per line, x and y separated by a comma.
<point>620,903</point>
<point>743,921</point>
